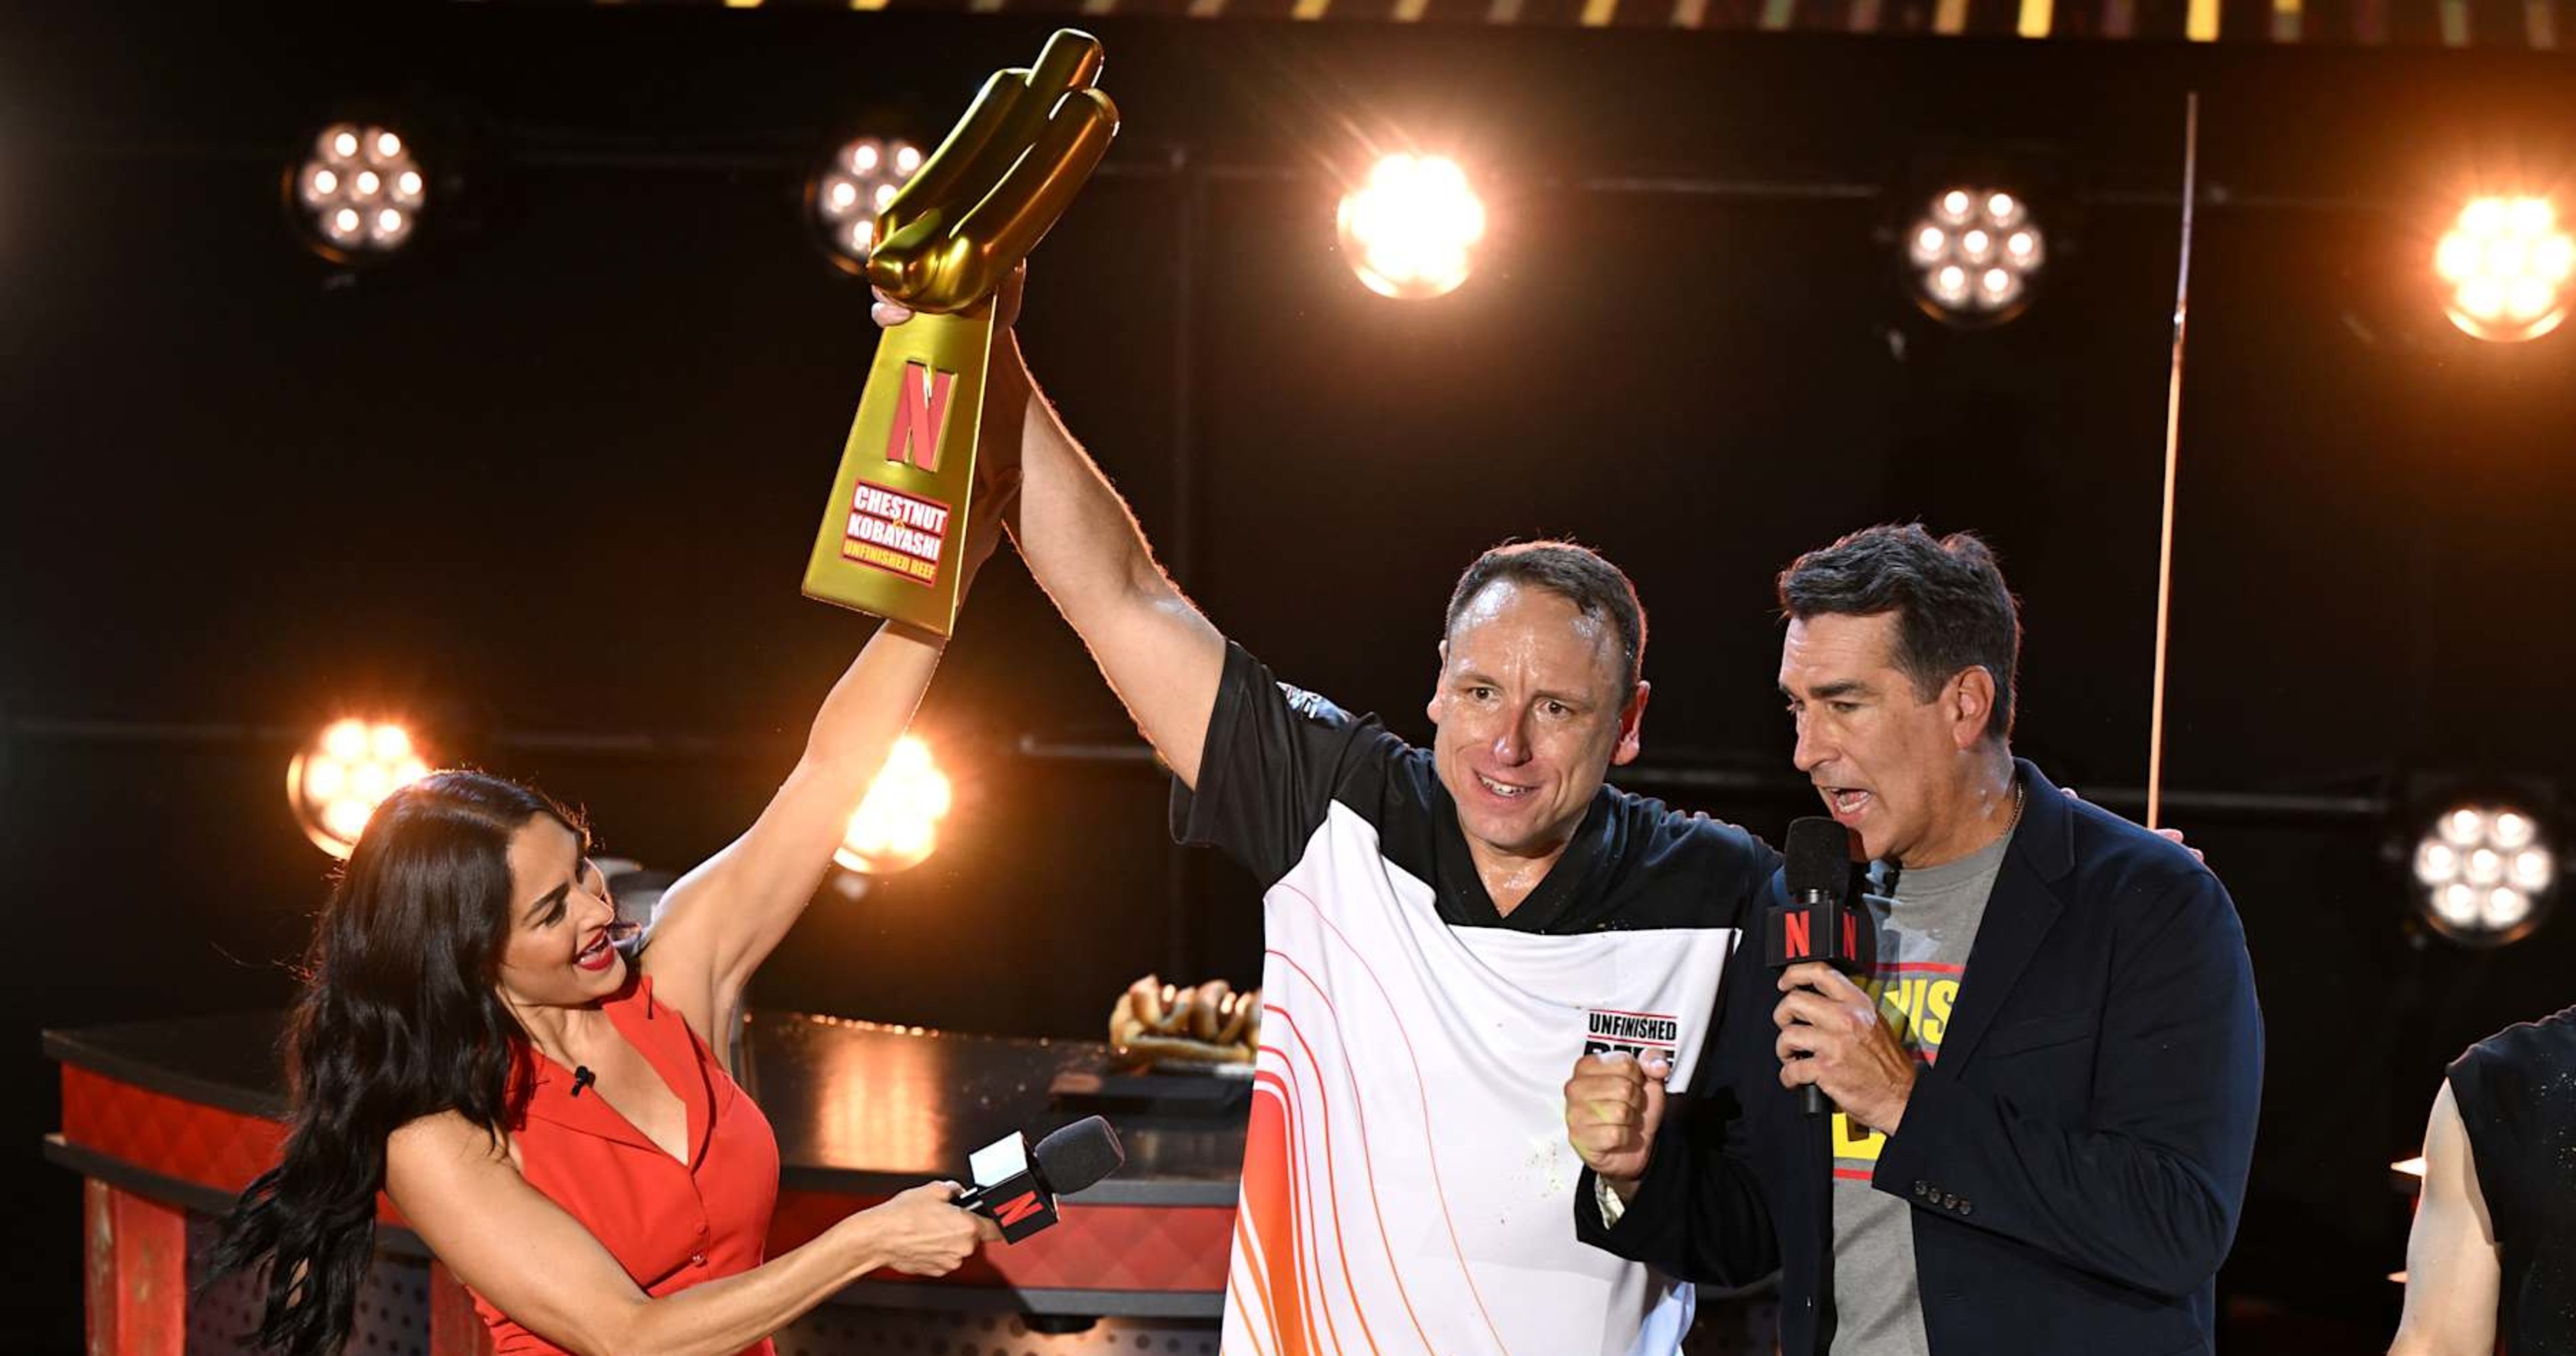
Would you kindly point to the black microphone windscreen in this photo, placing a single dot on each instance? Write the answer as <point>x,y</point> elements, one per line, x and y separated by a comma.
<point>1080,1154</point>
<point>1819,857</point>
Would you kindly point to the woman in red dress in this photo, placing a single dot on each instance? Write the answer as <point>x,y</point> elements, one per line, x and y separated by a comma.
<point>558,1124</point>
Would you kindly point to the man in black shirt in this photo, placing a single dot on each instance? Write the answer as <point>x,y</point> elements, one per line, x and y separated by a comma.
<point>1446,928</point>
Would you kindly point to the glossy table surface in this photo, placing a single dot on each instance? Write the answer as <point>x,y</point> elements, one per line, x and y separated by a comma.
<point>859,1107</point>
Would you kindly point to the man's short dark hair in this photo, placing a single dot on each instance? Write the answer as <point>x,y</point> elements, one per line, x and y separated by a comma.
<point>1952,609</point>
<point>1578,574</point>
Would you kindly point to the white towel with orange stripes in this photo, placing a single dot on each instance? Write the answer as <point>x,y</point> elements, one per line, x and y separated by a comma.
<point>1407,1186</point>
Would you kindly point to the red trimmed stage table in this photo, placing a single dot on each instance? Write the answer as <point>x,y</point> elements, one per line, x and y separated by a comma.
<point>169,1120</point>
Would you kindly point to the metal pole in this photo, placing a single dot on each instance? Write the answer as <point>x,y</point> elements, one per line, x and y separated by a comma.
<point>1181,950</point>
<point>2173,447</point>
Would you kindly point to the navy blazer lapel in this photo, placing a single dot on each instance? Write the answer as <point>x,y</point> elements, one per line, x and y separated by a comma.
<point>2023,907</point>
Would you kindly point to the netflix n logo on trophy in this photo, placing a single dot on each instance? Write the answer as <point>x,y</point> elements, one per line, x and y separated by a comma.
<point>920,415</point>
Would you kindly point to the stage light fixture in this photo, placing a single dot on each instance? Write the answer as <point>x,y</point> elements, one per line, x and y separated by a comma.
<point>843,198</point>
<point>357,193</point>
<point>2507,264</point>
<point>338,780</point>
<point>1410,230</point>
<point>2484,872</point>
<point>1974,254</point>
<point>897,824</point>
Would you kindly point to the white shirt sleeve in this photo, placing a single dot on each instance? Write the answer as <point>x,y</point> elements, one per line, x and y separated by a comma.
<point>1607,1202</point>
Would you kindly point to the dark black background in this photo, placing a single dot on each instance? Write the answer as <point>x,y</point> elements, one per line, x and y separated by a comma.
<point>556,471</point>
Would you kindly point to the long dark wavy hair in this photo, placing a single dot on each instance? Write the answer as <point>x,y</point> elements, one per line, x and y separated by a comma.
<point>401,1018</point>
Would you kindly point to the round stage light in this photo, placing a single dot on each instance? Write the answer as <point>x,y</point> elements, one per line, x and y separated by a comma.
<point>897,824</point>
<point>843,199</point>
<point>357,193</point>
<point>1973,255</point>
<point>2484,873</point>
<point>339,779</point>
<point>1411,229</point>
<point>2507,264</point>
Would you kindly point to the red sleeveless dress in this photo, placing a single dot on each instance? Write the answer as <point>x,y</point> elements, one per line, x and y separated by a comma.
<point>671,1225</point>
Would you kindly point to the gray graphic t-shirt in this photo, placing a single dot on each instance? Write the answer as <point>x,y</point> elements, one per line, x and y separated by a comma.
<point>1924,934</point>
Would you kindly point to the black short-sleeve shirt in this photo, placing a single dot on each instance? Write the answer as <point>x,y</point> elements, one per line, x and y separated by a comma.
<point>1277,757</point>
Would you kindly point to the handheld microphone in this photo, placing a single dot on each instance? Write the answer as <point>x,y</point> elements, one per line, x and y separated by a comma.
<point>1016,1187</point>
<point>1818,923</point>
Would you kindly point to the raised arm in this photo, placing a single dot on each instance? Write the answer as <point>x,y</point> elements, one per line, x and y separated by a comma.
<point>721,920</point>
<point>2452,1273</point>
<point>537,1264</point>
<point>1159,653</point>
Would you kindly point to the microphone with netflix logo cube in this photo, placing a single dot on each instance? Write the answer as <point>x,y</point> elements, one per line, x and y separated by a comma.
<point>1821,921</point>
<point>1016,1186</point>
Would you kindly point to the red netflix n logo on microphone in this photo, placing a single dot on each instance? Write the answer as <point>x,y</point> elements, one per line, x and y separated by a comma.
<point>1836,934</point>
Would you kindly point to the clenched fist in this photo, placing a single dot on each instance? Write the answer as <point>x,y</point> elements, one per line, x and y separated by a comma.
<point>1613,1104</point>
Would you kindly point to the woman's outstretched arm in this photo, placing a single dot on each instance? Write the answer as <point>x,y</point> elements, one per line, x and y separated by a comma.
<point>720,921</point>
<point>534,1262</point>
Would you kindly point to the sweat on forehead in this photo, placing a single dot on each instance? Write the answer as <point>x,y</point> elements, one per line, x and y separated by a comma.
<point>1503,595</point>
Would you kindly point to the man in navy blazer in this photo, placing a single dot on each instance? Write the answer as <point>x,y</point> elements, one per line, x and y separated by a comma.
<point>2044,1093</point>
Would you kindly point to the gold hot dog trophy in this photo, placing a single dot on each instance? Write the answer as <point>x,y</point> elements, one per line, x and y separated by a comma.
<point>895,529</point>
